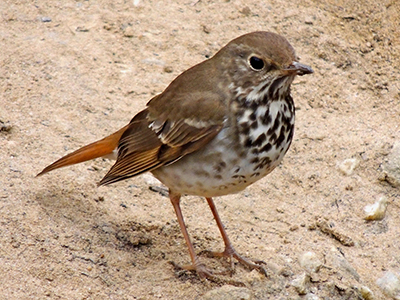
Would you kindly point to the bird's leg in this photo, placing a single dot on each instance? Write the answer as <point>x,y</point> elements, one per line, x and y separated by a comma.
<point>229,251</point>
<point>200,268</point>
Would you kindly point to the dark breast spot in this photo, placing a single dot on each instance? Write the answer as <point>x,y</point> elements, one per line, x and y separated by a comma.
<point>281,138</point>
<point>264,162</point>
<point>286,120</point>
<point>266,148</point>
<point>255,160</point>
<point>244,128</point>
<point>259,141</point>
<point>254,125</point>
<point>248,143</point>
<point>290,135</point>
<point>240,113</point>
<point>289,102</point>
<point>267,118</point>
<point>273,137</point>
<point>273,89</point>
<point>255,151</point>
<point>219,167</point>
<point>277,122</point>
<point>253,105</point>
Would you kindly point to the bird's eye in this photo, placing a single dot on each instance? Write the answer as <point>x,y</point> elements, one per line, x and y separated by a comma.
<point>256,63</point>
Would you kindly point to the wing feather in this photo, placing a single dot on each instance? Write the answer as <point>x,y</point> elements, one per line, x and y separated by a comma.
<point>179,121</point>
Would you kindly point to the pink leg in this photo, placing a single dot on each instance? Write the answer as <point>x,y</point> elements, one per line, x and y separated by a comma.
<point>229,250</point>
<point>196,265</point>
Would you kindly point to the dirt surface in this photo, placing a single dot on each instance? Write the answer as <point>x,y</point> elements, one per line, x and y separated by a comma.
<point>72,72</point>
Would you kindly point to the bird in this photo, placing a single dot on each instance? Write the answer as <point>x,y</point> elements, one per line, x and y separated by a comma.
<point>217,128</point>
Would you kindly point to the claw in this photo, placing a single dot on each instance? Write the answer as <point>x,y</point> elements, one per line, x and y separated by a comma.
<point>206,274</point>
<point>231,253</point>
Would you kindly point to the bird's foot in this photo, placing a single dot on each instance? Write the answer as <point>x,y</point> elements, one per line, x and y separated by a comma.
<point>202,271</point>
<point>206,274</point>
<point>231,253</point>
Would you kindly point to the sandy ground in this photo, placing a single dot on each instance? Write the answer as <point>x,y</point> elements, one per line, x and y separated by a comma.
<point>72,72</point>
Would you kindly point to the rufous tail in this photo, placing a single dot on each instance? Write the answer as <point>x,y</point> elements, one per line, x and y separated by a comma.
<point>94,150</point>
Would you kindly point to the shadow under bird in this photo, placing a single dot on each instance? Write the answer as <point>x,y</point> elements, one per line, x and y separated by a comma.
<point>217,128</point>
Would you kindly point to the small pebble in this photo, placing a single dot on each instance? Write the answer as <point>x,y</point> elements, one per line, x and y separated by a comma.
<point>5,126</point>
<point>129,32</point>
<point>366,293</point>
<point>391,168</point>
<point>336,233</point>
<point>310,262</point>
<point>254,276</point>
<point>348,165</point>
<point>311,296</point>
<point>81,29</point>
<point>246,11</point>
<point>168,69</point>
<point>308,20</point>
<point>336,260</point>
<point>206,29</point>
<point>390,285</point>
<point>45,19</point>
<point>377,210</point>
<point>99,199</point>
<point>300,283</point>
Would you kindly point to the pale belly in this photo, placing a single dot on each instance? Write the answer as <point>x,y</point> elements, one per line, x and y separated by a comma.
<point>219,169</point>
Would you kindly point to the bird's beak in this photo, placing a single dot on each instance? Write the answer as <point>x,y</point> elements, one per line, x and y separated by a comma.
<point>297,68</point>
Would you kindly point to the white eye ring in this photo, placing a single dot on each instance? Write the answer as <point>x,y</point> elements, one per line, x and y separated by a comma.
<point>256,63</point>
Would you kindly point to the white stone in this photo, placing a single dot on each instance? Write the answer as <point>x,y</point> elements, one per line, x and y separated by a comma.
<point>377,210</point>
<point>391,168</point>
<point>310,296</point>
<point>366,293</point>
<point>310,262</point>
<point>390,285</point>
<point>348,165</point>
<point>300,283</point>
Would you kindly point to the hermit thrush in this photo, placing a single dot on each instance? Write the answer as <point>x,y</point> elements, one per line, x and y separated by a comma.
<point>217,128</point>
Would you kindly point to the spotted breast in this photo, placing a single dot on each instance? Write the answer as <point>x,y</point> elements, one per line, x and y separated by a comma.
<point>262,125</point>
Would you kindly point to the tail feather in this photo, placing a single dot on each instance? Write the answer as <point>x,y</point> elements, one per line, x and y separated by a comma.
<point>94,150</point>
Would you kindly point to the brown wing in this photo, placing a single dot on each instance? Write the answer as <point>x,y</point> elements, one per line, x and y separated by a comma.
<point>142,149</point>
<point>179,121</point>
